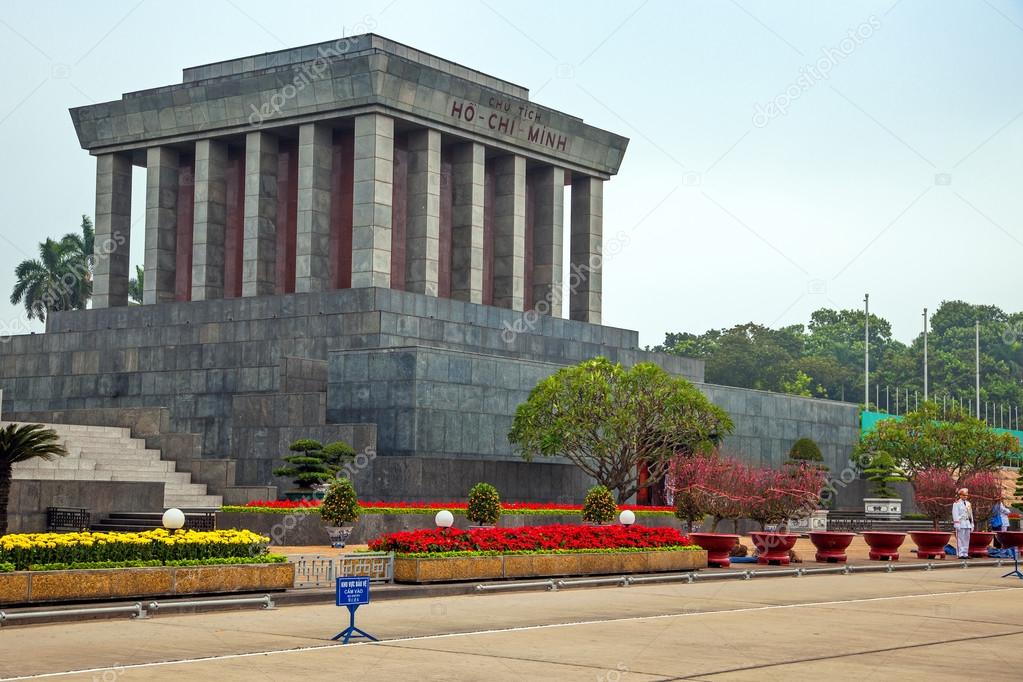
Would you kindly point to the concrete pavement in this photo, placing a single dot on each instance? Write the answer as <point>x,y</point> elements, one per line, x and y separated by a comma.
<point>885,626</point>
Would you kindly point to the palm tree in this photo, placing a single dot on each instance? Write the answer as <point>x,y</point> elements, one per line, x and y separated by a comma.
<point>135,285</point>
<point>18,443</point>
<point>61,278</point>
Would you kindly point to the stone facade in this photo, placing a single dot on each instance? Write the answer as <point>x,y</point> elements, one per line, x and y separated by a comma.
<point>353,240</point>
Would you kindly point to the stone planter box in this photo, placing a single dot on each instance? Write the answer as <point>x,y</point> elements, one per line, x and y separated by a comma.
<point>816,522</point>
<point>40,587</point>
<point>882,508</point>
<point>452,569</point>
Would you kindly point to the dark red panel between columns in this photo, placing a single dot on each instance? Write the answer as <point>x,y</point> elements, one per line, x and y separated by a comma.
<point>399,211</point>
<point>185,210</point>
<point>342,187</point>
<point>234,225</point>
<point>446,198</point>
<point>287,214</point>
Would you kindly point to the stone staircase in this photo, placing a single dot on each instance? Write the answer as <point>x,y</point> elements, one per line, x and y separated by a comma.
<point>107,453</point>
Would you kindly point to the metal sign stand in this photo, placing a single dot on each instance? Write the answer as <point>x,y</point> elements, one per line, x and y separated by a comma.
<point>352,631</point>
<point>1016,572</point>
<point>352,592</point>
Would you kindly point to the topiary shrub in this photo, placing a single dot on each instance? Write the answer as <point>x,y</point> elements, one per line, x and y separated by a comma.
<point>806,450</point>
<point>599,505</point>
<point>881,471</point>
<point>340,504</point>
<point>314,463</point>
<point>484,506</point>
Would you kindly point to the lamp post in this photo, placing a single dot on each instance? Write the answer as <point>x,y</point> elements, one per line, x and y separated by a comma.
<point>444,519</point>
<point>173,519</point>
<point>627,517</point>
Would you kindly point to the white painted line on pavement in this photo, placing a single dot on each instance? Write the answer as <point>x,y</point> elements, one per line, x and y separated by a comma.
<point>522,628</point>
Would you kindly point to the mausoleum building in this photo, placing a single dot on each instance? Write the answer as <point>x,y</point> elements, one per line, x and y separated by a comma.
<point>353,240</point>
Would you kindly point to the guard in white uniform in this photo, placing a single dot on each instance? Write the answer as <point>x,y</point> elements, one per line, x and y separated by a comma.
<point>962,520</point>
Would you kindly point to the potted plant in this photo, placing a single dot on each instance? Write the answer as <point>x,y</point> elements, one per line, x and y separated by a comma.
<point>339,511</point>
<point>985,489</point>
<point>709,484</point>
<point>805,452</point>
<point>881,471</point>
<point>831,545</point>
<point>934,491</point>
<point>484,505</point>
<point>599,506</point>
<point>312,466</point>
<point>782,494</point>
<point>884,545</point>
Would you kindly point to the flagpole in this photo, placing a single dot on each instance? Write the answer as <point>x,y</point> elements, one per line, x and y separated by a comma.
<point>977,339</point>
<point>866,350</point>
<point>925,354</point>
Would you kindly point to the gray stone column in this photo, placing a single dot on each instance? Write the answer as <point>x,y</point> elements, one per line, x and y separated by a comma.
<point>259,257</point>
<point>113,231</point>
<point>161,225</point>
<point>209,222</point>
<point>312,243</point>
<point>586,277</point>
<point>467,177</point>
<point>548,239</point>
<point>423,229</point>
<point>510,232</point>
<point>372,200</point>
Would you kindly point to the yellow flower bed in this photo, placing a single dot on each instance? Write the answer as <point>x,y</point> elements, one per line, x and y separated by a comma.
<point>51,548</point>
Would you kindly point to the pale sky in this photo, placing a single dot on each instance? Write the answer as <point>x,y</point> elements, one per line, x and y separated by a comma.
<point>895,167</point>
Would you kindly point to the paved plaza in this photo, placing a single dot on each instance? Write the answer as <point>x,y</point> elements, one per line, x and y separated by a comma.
<point>875,626</point>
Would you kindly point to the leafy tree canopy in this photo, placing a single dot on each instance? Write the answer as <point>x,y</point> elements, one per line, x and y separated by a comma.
<point>608,421</point>
<point>824,358</point>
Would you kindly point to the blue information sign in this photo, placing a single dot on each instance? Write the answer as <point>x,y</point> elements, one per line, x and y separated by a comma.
<point>352,592</point>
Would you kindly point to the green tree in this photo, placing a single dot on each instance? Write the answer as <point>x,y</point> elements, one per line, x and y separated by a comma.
<point>882,471</point>
<point>608,421</point>
<point>60,279</point>
<point>484,505</point>
<point>340,503</point>
<point>136,285</point>
<point>314,463</point>
<point>19,443</point>
<point>924,440</point>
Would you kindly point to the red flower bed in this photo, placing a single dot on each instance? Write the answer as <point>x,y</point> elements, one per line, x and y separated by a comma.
<point>451,506</point>
<point>528,538</point>
<point>283,504</point>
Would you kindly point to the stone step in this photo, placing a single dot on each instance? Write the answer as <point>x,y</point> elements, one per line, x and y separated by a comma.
<point>192,501</point>
<point>153,466</point>
<point>101,444</point>
<point>60,463</point>
<point>168,477</point>
<point>64,474</point>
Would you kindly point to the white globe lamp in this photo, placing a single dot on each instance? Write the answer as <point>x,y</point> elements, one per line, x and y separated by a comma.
<point>173,519</point>
<point>627,517</point>
<point>444,519</point>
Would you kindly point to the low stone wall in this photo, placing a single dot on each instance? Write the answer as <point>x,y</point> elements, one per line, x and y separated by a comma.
<point>29,499</point>
<point>507,566</point>
<point>39,587</point>
<point>307,529</point>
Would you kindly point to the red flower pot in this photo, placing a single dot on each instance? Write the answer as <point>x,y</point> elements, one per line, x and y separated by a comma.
<point>718,546</point>
<point>1011,538</point>
<point>774,547</point>
<point>831,545</point>
<point>930,544</point>
<point>979,540</point>
<point>884,545</point>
